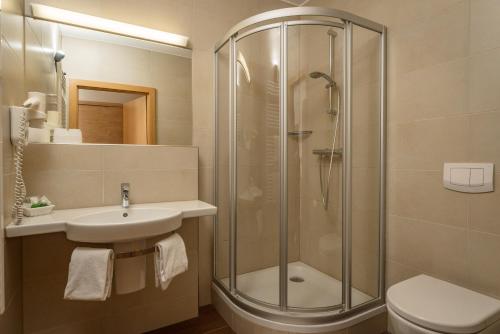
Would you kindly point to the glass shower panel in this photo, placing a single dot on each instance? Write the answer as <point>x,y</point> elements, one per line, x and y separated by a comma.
<point>365,165</point>
<point>315,77</point>
<point>222,151</point>
<point>258,165</point>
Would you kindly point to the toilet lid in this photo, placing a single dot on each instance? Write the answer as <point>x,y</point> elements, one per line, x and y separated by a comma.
<point>442,306</point>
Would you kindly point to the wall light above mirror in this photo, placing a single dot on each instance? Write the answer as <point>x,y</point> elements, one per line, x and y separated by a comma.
<point>94,77</point>
<point>98,23</point>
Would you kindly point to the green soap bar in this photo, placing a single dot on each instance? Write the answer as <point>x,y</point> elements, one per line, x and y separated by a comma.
<point>38,205</point>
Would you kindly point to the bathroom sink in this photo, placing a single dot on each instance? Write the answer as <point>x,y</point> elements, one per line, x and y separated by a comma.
<point>119,225</point>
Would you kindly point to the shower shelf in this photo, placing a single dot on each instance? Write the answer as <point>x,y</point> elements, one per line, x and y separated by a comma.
<point>323,152</point>
<point>300,133</point>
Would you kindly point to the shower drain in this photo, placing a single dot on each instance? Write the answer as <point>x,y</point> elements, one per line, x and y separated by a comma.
<point>296,279</point>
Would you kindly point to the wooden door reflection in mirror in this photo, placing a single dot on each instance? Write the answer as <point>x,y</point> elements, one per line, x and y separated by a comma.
<point>112,113</point>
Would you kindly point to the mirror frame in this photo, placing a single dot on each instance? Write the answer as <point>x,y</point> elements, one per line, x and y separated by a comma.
<point>76,84</point>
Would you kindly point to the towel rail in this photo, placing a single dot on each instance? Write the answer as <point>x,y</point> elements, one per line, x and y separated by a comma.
<point>135,253</point>
<point>139,252</point>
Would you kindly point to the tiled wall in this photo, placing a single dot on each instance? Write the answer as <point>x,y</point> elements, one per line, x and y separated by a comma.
<point>170,75</point>
<point>443,106</point>
<point>75,176</point>
<point>12,91</point>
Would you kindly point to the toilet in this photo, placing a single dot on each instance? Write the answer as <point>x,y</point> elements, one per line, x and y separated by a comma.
<point>426,305</point>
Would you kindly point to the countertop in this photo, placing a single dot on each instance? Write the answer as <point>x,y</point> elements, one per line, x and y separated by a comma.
<point>56,221</point>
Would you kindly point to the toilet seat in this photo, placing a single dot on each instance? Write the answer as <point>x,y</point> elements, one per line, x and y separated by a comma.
<point>442,307</point>
<point>398,324</point>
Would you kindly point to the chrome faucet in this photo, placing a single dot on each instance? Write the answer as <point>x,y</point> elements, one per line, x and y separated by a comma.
<point>125,191</point>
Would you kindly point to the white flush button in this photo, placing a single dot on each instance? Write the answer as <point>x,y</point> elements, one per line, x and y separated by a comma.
<point>460,176</point>
<point>468,177</point>
<point>477,177</point>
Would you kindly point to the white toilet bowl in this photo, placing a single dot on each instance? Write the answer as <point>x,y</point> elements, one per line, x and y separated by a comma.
<point>425,305</point>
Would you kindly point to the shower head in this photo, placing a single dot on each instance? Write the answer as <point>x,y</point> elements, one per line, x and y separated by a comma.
<point>316,75</point>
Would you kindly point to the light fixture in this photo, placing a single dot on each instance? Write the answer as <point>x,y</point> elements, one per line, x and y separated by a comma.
<point>98,23</point>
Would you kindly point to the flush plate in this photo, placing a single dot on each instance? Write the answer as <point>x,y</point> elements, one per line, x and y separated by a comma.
<point>468,177</point>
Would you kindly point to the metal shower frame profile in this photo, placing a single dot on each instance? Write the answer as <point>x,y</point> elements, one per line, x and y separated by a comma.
<point>282,19</point>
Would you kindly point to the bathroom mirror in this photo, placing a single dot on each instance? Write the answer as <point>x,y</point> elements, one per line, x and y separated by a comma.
<point>114,89</point>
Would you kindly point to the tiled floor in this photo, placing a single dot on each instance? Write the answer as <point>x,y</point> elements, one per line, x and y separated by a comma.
<point>208,322</point>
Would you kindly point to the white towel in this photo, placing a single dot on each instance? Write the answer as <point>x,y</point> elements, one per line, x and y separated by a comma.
<point>90,274</point>
<point>170,260</point>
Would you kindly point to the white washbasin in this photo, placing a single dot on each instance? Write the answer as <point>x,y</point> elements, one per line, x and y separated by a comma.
<point>118,224</point>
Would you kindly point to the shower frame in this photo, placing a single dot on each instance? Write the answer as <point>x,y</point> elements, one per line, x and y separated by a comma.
<point>281,314</point>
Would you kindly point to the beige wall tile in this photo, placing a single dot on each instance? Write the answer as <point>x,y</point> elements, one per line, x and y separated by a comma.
<point>433,40</point>
<point>420,195</point>
<point>203,138</point>
<point>133,157</point>
<point>151,185</point>
<point>156,173</point>
<point>12,72</point>
<point>435,249</point>
<point>397,272</point>
<point>42,157</point>
<point>484,210</point>
<point>11,32</point>
<point>482,266</point>
<point>484,30</point>
<point>175,133</point>
<point>484,80</point>
<point>205,263</point>
<point>67,188</point>
<point>428,144</point>
<point>485,137</point>
<point>416,96</point>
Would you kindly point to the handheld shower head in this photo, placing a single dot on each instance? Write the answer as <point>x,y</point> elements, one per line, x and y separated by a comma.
<point>316,75</point>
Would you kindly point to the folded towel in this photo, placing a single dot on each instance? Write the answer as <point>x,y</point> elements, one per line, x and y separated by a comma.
<point>90,274</point>
<point>170,260</point>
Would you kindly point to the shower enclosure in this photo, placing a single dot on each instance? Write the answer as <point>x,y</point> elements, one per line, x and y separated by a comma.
<point>300,166</point>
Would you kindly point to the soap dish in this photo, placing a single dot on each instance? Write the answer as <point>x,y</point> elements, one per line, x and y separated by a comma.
<point>33,212</point>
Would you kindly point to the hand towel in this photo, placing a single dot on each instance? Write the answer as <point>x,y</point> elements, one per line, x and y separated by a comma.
<point>170,260</point>
<point>90,274</point>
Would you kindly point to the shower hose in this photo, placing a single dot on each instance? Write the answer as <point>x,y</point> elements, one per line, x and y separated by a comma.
<point>325,188</point>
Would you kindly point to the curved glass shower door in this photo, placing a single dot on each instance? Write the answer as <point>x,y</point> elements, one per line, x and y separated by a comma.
<point>314,119</point>
<point>299,151</point>
<point>258,165</point>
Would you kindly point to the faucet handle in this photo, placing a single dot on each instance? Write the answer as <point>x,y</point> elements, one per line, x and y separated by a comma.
<point>125,186</point>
